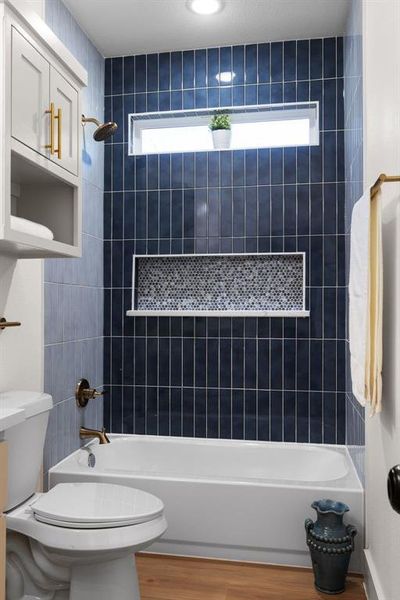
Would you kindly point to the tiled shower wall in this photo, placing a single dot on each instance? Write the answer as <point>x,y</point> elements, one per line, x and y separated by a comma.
<point>269,379</point>
<point>73,311</point>
<point>353,109</point>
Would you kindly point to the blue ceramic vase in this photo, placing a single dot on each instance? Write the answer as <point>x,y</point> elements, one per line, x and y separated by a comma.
<point>331,543</point>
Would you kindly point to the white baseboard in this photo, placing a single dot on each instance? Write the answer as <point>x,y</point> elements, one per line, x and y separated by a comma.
<point>267,556</point>
<point>373,587</point>
<point>234,553</point>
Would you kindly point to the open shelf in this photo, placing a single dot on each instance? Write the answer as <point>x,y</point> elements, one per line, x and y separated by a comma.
<point>218,313</point>
<point>42,197</point>
<point>229,285</point>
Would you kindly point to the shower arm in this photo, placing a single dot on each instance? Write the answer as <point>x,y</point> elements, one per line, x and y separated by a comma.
<point>90,120</point>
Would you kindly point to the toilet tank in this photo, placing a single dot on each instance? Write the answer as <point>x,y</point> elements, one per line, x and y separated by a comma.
<point>25,443</point>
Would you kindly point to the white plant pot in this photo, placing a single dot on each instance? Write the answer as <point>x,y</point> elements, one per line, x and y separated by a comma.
<point>222,139</point>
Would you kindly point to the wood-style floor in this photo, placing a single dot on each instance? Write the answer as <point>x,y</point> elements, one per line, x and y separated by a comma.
<point>174,578</point>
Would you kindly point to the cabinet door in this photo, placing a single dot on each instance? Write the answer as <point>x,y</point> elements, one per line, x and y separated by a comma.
<point>65,100</point>
<point>30,87</point>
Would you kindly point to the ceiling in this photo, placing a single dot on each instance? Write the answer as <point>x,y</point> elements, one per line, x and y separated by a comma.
<point>124,27</point>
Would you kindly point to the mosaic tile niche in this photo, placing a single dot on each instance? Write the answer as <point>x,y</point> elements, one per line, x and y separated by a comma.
<point>243,283</point>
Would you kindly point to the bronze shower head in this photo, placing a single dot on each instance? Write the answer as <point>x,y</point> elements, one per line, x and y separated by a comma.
<point>103,131</point>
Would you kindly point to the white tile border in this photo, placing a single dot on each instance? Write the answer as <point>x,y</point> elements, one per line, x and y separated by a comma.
<point>201,116</point>
<point>217,313</point>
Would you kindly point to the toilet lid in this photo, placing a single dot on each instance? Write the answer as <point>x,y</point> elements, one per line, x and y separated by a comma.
<point>96,505</point>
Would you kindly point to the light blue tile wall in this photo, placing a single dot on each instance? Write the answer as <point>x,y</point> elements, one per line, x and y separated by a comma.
<point>353,111</point>
<point>73,311</point>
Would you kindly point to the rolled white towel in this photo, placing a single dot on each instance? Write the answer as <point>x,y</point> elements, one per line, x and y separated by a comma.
<point>31,228</point>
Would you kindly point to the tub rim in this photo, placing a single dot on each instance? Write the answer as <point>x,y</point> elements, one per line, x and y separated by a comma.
<point>294,484</point>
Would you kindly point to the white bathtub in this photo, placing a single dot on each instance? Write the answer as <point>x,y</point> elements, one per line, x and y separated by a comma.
<point>227,499</point>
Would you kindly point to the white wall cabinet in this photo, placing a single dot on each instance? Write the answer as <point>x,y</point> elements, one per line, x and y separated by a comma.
<point>40,145</point>
<point>46,118</point>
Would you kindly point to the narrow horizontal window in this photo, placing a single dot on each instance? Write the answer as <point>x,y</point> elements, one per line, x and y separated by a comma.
<point>265,126</point>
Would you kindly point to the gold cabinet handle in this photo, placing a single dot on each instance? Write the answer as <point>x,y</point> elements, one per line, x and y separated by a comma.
<point>58,116</point>
<point>52,116</point>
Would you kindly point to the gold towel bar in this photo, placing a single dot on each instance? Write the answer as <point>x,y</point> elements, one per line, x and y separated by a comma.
<point>382,179</point>
<point>4,323</point>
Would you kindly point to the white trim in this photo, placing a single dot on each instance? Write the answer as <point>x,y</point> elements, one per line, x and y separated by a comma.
<point>137,122</point>
<point>373,586</point>
<point>43,162</point>
<point>229,109</point>
<point>218,313</point>
<point>204,254</point>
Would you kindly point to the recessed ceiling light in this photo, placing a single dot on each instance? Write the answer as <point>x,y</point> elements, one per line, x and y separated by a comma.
<point>225,76</point>
<point>205,7</point>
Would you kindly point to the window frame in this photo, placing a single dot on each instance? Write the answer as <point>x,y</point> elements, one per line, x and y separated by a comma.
<point>239,114</point>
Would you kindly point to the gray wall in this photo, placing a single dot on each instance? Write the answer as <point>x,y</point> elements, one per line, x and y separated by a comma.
<point>73,305</point>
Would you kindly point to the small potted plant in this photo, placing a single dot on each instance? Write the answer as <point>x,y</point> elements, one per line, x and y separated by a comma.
<point>220,128</point>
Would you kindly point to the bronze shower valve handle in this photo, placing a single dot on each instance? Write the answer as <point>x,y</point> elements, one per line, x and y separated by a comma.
<point>84,393</point>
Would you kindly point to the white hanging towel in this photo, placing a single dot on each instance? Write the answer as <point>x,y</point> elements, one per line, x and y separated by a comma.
<point>365,301</point>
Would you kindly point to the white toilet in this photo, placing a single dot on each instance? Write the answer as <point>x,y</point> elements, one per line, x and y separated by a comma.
<point>78,540</point>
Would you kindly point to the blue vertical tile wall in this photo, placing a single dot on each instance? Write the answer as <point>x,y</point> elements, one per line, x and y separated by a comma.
<point>353,125</point>
<point>73,288</point>
<point>267,379</point>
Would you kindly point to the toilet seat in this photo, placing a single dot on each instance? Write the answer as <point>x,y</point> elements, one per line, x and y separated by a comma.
<point>87,505</point>
<point>83,542</point>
